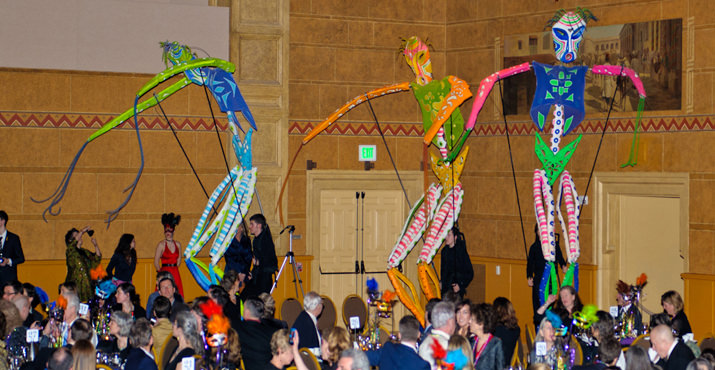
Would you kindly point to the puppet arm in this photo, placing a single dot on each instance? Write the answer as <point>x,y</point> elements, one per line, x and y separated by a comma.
<point>458,93</point>
<point>156,81</point>
<point>627,72</point>
<point>485,88</point>
<point>405,86</point>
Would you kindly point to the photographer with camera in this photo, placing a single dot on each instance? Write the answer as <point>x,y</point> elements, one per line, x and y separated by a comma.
<point>80,261</point>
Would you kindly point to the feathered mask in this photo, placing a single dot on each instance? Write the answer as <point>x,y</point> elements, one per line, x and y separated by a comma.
<point>105,289</point>
<point>217,325</point>
<point>628,292</point>
<point>586,317</point>
<point>556,322</point>
<point>170,221</point>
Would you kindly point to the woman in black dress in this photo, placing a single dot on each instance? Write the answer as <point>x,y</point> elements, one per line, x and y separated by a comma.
<point>186,331</point>
<point>673,305</point>
<point>507,328</point>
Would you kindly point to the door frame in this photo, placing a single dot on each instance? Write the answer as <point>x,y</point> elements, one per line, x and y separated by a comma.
<point>608,187</point>
<point>319,180</point>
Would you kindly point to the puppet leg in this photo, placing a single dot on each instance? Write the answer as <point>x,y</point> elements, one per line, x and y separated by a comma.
<point>410,300</point>
<point>415,226</point>
<point>545,219</point>
<point>567,194</point>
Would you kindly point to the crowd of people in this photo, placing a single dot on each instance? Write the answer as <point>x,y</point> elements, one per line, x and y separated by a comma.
<point>99,319</point>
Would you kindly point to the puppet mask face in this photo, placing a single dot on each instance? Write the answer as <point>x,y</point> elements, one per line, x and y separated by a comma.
<point>417,57</point>
<point>567,34</point>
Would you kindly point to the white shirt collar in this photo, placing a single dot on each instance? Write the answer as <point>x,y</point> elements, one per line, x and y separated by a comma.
<point>410,346</point>
<point>315,319</point>
<point>147,353</point>
<point>4,235</point>
<point>672,346</point>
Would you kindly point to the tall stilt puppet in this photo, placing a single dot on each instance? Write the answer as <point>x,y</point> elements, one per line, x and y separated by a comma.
<point>560,87</point>
<point>435,213</point>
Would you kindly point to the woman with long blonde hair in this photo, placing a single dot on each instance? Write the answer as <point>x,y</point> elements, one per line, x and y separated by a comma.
<point>83,355</point>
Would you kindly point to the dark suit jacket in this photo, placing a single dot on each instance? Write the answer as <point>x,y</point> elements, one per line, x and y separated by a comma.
<point>396,356</point>
<point>137,359</point>
<point>307,331</point>
<point>255,343</point>
<point>678,359</point>
<point>12,249</point>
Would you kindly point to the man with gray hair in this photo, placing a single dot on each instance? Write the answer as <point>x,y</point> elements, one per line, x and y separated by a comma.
<point>443,325</point>
<point>307,322</point>
<point>141,340</point>
<point>353,359</point>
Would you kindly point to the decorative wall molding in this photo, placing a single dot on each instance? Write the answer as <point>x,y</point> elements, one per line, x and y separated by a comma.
<point>522,128</point>
<point>69,120</point>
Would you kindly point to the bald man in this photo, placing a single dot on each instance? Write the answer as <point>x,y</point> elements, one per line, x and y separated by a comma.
<point>672,354</point>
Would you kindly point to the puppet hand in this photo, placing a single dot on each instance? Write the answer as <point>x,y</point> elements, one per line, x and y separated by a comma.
<point>530,281</point>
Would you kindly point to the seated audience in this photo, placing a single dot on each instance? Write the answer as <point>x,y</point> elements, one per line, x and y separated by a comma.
<point>162,329</point>
<point>443,324</point>
<point>486,348</point>
<point>120,325</point>
<point>269,311</point>
<point>283,352</point>
<point>507,327</point>
<point>141,340</point>
<point>61,360</point>
<point>255,336</point>
<point>186,331</point>
<point>673,305</point>
<point>608,353</point>
<point>335,341</point>
<point>460,343</point>
<point>700,364</point>
<point>667,351</point>
<point>637,359</point>
<point>166,287</point>
<point>354,359</point>
<point>546,334</point>
<point>83,355</point>
<point>428,316</point>
<point>307,322</point>
<point>128,301</point>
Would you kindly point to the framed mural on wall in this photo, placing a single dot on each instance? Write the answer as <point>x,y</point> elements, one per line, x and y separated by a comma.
<point>653,49</point>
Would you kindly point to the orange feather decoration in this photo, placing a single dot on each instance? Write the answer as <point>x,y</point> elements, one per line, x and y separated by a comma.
<point>642,280</point>
<point>98,273</point>
<point>61,302</point>
<point>217,323</point>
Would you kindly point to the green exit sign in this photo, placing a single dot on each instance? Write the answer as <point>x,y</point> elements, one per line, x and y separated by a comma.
<point>367,153</point>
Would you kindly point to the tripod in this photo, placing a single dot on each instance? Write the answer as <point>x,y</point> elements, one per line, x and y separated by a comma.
<point>290,258</point>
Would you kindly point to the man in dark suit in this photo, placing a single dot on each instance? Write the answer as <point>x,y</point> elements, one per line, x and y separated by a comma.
<point>255,337</point>
<point>672,353</point>
<point>404,355</point>
<point>608,353</point>
<point>10,251</point>
<point>307,322</point>
<point>140,356</point>
<point>265,262</point>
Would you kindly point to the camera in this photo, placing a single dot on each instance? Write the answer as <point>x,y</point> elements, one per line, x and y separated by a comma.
<point>90,232</point>
<point>292,335</point>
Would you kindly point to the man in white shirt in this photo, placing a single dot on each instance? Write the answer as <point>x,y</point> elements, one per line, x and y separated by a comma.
<point>667,351</point>
<point>443,326</point>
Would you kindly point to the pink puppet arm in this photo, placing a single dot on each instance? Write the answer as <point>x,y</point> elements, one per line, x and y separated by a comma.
<point>485,87</point>
<point>625,72</point>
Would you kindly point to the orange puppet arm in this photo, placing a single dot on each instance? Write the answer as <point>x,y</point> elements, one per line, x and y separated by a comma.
<point>428,281</point>
<point>458,93</point>
<point>408,299</point>
<point>405,86</point>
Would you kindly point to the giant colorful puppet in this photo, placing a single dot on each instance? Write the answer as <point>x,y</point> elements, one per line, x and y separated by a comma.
<point>235,191</point>
<point>560,87</point>
<point>435,213</point>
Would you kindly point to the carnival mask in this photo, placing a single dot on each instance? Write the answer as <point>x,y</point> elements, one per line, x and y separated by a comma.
<point>417,56</point>
<point>567,34</point>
